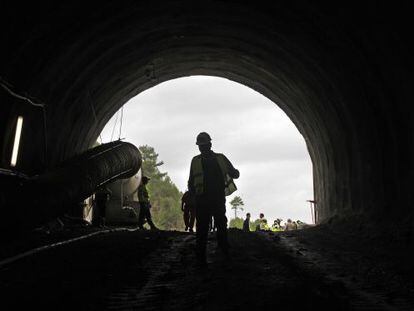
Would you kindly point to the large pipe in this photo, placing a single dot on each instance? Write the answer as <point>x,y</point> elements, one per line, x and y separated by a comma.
<point>53,193</point>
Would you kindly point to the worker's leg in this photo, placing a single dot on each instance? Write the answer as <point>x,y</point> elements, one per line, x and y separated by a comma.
<point>141,217</point>
<point>96,214</point>
<point>100,209</point>
<point>186,217</point>
<point>203,217</point>
<point>149,219</point>
<point>220,221</point>
<point>192,217</point>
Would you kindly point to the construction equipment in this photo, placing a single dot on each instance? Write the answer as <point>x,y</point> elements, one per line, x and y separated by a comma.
<point>40,198</point>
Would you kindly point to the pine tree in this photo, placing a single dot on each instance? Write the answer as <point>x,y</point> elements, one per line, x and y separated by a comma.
<point>236,204</point>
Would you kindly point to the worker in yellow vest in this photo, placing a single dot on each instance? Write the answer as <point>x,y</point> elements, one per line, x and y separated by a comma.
<point>144,205</point>
<point>211,180</point>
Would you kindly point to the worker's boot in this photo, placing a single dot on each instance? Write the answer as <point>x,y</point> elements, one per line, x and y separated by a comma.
<point>152,226</point>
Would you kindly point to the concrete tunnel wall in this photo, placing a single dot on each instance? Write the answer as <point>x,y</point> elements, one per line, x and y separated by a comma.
<point>341,72</point>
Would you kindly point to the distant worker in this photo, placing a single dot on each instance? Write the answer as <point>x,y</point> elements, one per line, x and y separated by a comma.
<point>188,206</point>
<point>276,224</point>
<point>246,223</point>
<point>264,226</point>
<point>301,224</point>
<point>144,205</point>
<point>261,223</point>
<point>211,180</point>
<point>290,225</point>
<point>102,196</point>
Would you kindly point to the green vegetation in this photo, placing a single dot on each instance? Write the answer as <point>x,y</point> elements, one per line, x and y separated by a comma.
<point>255,224</point>
<point>164,194</point>
<point>236,223</point>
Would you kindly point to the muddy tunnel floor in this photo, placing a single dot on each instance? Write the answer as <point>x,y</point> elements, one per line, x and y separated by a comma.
<point>144,270</point>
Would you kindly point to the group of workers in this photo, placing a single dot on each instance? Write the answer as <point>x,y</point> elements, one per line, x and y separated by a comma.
<point>262,224</point>
<point>210,181</point>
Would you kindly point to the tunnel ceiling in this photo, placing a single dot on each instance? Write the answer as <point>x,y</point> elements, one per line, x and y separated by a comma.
<point>342,73</point>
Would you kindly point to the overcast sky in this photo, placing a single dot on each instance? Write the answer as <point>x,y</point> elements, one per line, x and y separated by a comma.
<point>256,136</point>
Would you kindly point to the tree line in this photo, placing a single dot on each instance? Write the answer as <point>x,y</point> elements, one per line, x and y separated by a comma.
<point>164,195</point>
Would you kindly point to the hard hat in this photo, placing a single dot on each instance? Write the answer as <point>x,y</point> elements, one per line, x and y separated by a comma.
<point>203,139</point>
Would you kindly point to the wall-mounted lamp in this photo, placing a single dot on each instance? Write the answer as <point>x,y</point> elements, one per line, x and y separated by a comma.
<point>15,153</point>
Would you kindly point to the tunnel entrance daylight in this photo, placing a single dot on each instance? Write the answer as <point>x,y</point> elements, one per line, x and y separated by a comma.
<point>269,151</point>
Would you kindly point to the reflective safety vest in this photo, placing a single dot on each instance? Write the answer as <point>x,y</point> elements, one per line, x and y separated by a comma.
<point>143,196</point>
<point>198,175</point>
<point>263,225</point>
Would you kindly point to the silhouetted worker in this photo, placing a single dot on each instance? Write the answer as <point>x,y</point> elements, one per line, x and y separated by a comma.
<point>246,223</point>
<point>264,226</point>
<point>188,206</point>
<point>102,195</point>
<point>144,205</point>
<point>300,224</point>
<point>276,224</point>
<point>261,223</point>
<point>290,225</point>
<point>211,180</point>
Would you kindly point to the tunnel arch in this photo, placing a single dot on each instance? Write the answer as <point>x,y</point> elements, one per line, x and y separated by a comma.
<point>334,77</point>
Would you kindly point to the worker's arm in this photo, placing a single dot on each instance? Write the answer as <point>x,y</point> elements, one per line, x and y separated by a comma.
<point>234,173</point>
<point>182,201</point>
<point>191,182</point>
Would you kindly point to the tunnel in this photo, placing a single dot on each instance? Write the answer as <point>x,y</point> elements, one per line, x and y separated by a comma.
<point>341,72</point>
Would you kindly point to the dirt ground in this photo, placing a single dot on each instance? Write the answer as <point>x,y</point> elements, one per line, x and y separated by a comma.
<point>142,270</point>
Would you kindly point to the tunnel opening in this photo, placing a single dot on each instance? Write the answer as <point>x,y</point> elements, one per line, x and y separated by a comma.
<point>250,129</point>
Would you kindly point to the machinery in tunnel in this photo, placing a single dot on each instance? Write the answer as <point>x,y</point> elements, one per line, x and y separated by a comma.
<point>342,73</point>
<point>31,201</point>
<point>123,206</point>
